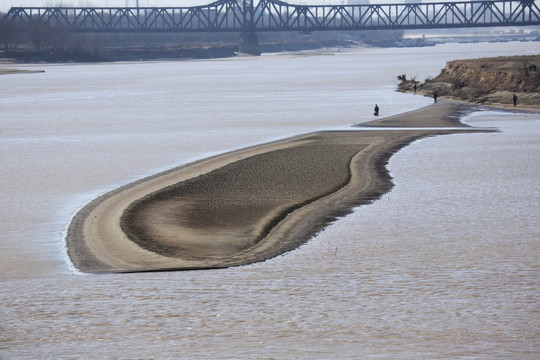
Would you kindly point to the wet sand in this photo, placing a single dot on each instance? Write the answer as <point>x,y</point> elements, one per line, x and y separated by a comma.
<point>6,71</point>
<point>247,205</point>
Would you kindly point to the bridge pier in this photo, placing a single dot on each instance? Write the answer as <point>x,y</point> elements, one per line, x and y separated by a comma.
<point>249,44</point>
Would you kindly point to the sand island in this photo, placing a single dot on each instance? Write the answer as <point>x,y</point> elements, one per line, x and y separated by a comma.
<point>253,204</point>
<point>247,205</point>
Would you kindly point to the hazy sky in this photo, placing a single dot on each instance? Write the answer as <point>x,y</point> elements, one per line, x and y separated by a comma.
<point>5,5</point>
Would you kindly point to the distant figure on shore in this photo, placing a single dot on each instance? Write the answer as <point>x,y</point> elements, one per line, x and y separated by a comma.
<point>414,88</point>
<point>514,99</point>
<point>435,97</point>
<point>376,110</point>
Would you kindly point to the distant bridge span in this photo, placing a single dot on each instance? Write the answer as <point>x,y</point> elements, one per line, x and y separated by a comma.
<point>252,16</point>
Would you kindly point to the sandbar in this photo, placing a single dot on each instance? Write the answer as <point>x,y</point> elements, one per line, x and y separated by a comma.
<point>7,71</point>
<point>247,205</point>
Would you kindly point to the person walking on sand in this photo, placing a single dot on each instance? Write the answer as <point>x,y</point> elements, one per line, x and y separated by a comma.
<point>514,99</point>
<point>376,110</point>
<point>435,97</point>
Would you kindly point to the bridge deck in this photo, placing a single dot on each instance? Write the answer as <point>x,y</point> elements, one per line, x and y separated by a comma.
<point>274,15</point>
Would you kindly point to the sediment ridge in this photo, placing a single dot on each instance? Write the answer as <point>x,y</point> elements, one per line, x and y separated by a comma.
<point>247,205</point>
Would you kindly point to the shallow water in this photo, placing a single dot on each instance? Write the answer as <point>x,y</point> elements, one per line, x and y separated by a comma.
<point>444,266</point>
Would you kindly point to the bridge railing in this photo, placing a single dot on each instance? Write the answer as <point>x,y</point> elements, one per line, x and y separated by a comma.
<point>275,15</point>
<point>271,15</point>
<point>224,15</point>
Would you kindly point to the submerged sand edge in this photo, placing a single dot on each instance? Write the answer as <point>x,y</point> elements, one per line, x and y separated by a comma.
<point>97,243</point>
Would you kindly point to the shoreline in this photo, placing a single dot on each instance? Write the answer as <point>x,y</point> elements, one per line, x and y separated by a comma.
<point>503,82</point>
<point>10,71</point>
<point>247,205</point>
<point>159,53</point>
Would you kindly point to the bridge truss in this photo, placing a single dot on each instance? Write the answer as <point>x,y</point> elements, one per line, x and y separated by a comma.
<point>249,16</point>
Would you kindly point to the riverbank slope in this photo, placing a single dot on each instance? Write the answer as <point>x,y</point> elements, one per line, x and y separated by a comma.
<point>486,81</point>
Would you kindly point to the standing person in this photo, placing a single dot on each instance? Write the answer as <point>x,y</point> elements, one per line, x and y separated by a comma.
<point>376,110</point>
<point>514,99</point>
<point>435,97</point>
<point>414,88</point>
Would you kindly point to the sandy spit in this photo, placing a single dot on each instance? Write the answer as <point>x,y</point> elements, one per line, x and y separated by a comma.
<point>247,205</point>
<point>8,71</point>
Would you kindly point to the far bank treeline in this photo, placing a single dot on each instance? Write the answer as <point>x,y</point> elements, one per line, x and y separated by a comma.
<point>39,41</point>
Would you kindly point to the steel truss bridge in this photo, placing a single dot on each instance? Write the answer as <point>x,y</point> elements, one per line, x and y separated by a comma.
<point>252,16</point>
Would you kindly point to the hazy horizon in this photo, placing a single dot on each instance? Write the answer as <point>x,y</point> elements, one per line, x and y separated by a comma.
<point>7,4</point>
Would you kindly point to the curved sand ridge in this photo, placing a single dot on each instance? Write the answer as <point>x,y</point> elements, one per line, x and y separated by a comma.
<point>247,205</point>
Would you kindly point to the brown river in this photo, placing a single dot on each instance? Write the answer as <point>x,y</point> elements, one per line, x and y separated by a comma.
<point>444,266</point>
